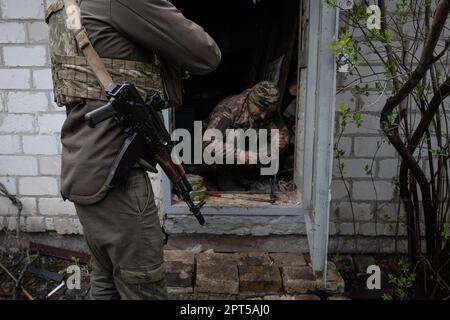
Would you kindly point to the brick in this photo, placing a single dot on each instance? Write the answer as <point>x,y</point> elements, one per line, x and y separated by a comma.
<point>338,190</point>
<point>212,258</point>
<point>347,98</point>
<point>253,259</point>
<point>42,79</point>
<point>55,207</point>
<point>217,278</point>
<point>345,144</point>
<point>24,56</point>
<point>50,165</point>
<point>18,165</point>
<point>346,228</point>
<point>8,209</point>
<point>35,224</point>
<point>9,183</point>
<point>370,229</point>
<point>288,259</point>
<point>261,278</point>
<point>367,146</point>
<point>9,144</point>
<point>40,144</point>
<point>365,190</point>
<point>354,168</point>
<point>22,9</point>
<point>298,279</point>
<point>373,102</point>
<point>67,226</point>
<point>38,186</point>
<point>16,123</point>
<point>27,102</point>
<point>388,168</point>
<point>51,122</point>
<point>179,268</point>
<point>38,32</point>
<point>370,124</point>
<point>12,32</point>
<point>362,211</point>
<point>14,79</point>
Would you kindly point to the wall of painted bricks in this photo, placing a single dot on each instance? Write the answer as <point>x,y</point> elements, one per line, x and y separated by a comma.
<point>30,163</point>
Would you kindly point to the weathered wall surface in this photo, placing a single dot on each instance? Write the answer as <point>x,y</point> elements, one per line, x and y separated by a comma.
<point>30,151</point>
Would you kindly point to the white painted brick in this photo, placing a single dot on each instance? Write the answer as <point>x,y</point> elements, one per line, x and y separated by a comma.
<point>371,229</point>
<point>12,32</point>
<point>362,211</point>
<point>14,79</point>
<point>348,228</point>
<point>9,183</point>
<point>370,124</point>
<point>18,165</point>
<point>9,144</point>
<point>51,122</point>
<point>67,226</point>
<point>35,224</point>
<point>49,224</point>
<point>373,102</point>
<point>42,79</point>
<point>8,209</point>
<point>367,146</point>
<point>50,165</point>
<point>347,98</point>
<point>55,207</point>
<point>24,56</point>
<point>27,102</point>
<point>40,144</point>
<point>345,144</point>
<point>338,190</point>
<point>11,223</point>
<point>354,168</point>
<point>22,9</point>
<point>38,32</point>
<point>38,186</point>
<point>365,190</point>
<point>15,123</point>
<point>389,212</point>
<point>388,168</point>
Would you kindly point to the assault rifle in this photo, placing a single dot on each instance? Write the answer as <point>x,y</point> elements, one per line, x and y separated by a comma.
<point>147,140</point>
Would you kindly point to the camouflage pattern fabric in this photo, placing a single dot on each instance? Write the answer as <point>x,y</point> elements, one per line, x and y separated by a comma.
<point>233,113</point>
<point>72,77</point>
<point>265,95</point>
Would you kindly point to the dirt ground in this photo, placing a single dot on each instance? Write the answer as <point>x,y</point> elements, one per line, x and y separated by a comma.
<point>18,263</point>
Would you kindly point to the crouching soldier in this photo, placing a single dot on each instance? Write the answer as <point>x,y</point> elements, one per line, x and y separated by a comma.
<point>254,108</point>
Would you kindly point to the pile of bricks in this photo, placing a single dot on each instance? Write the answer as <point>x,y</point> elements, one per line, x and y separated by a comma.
<point>270,276</point>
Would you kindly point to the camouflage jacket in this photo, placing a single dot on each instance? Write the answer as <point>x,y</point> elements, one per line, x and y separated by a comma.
<point>233,113</point>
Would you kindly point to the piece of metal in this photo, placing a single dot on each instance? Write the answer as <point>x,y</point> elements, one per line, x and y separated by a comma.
<point>59,252</point>
<point>242,197</point>
<point>56,289</point>
<point>49,275</point>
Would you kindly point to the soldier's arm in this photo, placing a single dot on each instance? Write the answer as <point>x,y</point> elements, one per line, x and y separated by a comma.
<point>160,27</point>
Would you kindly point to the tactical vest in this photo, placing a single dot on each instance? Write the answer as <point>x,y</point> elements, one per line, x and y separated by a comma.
<point>73,78</point>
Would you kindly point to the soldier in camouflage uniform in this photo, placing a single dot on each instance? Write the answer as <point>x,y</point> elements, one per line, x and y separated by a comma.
<point>254,108</point>
<point>151,44</point>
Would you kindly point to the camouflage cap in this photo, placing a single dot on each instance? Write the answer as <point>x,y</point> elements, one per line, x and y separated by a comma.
<point>265,95</point>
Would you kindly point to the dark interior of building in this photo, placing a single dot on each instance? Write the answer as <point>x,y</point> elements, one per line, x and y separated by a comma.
<point>258,41</point>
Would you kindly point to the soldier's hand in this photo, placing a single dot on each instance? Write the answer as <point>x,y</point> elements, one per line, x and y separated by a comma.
<point>283,142</point>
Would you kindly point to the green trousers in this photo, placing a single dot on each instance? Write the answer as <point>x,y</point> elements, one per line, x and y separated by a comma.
<point>125,240</point>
